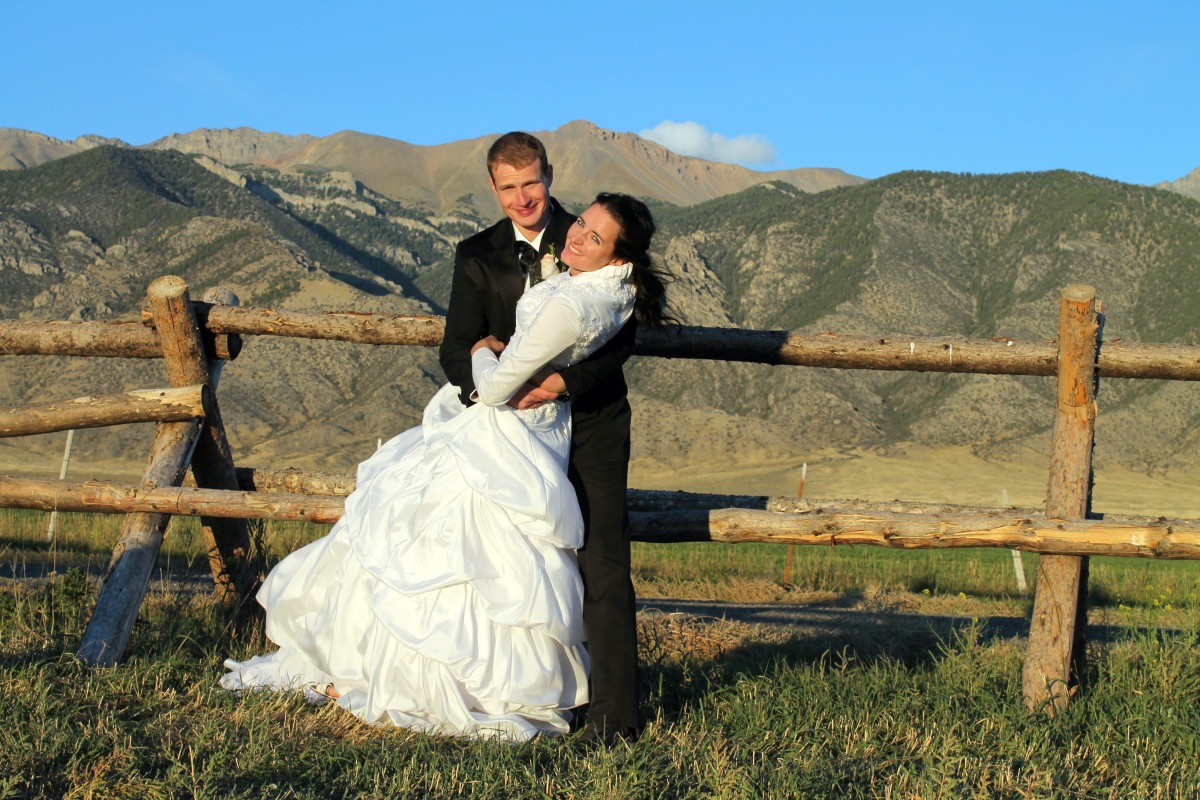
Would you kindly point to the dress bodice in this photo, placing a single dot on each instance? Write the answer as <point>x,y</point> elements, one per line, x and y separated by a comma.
<point>603,299</point>
<point>560,322</point>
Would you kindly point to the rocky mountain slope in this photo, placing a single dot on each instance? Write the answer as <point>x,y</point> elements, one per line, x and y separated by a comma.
<point>936,254</point>
<point>1189,184</point>
<point>921,253</point>
<point>81,238</point>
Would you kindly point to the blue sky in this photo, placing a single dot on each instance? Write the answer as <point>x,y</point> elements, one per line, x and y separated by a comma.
<point>1109,88</point>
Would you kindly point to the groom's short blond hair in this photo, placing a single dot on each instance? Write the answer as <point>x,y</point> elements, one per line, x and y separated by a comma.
<point>516,149</point>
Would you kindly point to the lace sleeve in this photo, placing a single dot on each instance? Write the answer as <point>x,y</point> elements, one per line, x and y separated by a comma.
<point>556,328</point>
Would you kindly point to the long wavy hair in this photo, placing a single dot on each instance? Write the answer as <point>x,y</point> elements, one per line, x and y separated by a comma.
<point>650,279</point>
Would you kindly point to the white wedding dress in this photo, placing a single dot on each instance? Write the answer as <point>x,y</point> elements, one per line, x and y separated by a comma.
<point>447,598</point>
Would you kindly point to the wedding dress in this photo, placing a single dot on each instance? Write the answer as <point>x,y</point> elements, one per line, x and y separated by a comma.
<point>447,598</point>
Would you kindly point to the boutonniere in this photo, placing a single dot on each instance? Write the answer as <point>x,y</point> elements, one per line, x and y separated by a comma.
<point>551,266</point>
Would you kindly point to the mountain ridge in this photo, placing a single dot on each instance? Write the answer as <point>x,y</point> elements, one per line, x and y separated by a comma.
<point>21,149</point>
<point>586,158</point>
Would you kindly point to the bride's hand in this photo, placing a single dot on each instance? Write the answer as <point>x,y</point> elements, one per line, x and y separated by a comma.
<point>491,343</point>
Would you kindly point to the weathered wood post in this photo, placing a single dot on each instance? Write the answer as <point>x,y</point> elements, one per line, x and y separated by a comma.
<point>213,468</point>
<point>227,540</point>
<point>133,558</point>
<point>175,446</point>
<point>1056,633</point>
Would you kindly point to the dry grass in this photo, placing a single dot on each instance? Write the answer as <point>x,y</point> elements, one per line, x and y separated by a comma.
<point>865,705</point>
<point>927,474</point>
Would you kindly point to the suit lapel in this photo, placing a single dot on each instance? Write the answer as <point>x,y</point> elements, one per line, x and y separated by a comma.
<point>507,276</point>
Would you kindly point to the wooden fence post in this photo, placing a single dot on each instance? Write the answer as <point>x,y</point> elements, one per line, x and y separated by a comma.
<point>133,558</point>
<point>227,541</point>
<point>1059,624</point>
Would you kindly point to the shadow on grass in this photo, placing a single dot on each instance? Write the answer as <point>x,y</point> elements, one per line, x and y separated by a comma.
<point>36,552</point>
<point>801,636</point>
<point>875,633</point>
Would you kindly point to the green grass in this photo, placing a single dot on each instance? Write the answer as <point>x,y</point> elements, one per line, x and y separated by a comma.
<point>679,570</point>
<point>87,539</point>
<point>731,712</point>
<point>894,707</point>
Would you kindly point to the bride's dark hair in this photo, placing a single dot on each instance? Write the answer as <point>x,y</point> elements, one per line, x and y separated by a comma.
<point>650,305</point>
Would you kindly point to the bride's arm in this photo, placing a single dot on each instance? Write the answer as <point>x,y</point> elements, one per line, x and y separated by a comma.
<point>557,326</point>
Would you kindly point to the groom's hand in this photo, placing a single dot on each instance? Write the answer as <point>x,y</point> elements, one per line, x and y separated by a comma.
<point>491,343</point>
<point>543,386</point>
<point>530,396</point>
<point>549,381</point>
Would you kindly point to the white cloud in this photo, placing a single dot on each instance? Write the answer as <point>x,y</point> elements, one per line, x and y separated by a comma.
<point>693,139</point>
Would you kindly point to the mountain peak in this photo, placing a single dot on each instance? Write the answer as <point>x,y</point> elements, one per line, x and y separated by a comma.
<point>21,149</point>
<point>1189,184</point>
<point>235,145</point>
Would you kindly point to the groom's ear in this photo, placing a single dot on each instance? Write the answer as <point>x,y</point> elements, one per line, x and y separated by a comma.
<point>549,175</point>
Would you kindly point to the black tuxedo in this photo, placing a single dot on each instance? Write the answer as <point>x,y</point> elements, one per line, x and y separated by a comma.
<point>488,280</point>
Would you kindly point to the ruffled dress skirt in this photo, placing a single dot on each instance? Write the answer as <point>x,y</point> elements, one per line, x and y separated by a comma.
<point>447,599</point>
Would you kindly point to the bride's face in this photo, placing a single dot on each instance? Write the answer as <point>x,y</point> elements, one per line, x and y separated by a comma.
<point>591,241</point>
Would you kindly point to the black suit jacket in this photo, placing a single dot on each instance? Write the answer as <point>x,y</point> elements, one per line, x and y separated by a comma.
<point>488,280</point>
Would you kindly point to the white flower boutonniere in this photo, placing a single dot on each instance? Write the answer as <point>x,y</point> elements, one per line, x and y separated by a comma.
<point>551,265</point>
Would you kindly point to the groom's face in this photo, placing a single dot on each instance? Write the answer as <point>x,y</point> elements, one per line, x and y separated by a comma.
<point>524,194</point>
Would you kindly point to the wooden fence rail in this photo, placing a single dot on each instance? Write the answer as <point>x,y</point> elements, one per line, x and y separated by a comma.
<point>341,484</point>
<point>102,410</point>
<point>1002,356</point>
<point>95,340</point>
<point>196,338</point>
<point>825,524</point>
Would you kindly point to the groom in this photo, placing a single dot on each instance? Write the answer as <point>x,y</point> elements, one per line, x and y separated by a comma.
<point>491,270</point>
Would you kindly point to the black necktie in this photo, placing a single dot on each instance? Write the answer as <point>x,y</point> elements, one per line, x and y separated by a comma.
<point>528,256</point>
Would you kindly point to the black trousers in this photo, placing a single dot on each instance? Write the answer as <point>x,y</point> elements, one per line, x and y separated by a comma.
<point>599,471</point>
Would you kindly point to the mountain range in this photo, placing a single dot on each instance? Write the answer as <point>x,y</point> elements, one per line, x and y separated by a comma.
<point>586,159</point>
<point>352,221</point>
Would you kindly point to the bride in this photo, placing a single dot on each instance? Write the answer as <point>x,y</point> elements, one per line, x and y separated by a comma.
<point>447,598</point>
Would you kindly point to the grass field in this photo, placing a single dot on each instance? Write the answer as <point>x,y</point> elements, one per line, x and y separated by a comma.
<point>731,711</point>
<point>916,695</point>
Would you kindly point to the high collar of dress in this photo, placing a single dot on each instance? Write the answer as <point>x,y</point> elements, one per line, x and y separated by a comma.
<point>612,272</point>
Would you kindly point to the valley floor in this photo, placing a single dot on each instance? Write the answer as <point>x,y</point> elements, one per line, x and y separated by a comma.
<point>905,472</point>
<point>934,475</point>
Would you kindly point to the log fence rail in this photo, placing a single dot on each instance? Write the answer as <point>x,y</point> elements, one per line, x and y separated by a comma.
<point>1001,356</point>
<point>826,523</point>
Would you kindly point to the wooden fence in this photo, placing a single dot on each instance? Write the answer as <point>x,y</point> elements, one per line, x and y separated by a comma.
<point>195,339</point>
